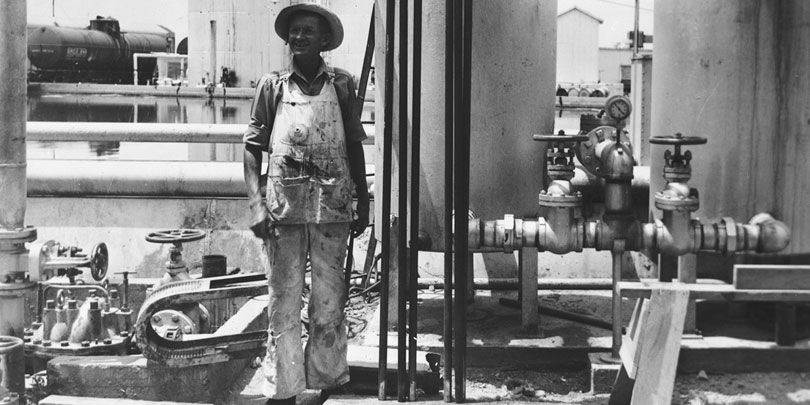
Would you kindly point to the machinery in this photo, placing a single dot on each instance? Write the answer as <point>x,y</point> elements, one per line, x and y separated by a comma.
<point>101,53</point>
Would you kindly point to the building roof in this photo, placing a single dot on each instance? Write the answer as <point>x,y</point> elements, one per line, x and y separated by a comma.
<point>581,11</point>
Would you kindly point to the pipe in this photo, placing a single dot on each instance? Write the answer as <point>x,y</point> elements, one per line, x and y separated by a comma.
<point>511,284</point>
<point>12,365</point>
<point>413,258</point>
<point>13,233</point>
<point>145,132</point>
<point>402,194</point>
<point>386,197</point>
<point>616,301</point>
<point>449,122</point>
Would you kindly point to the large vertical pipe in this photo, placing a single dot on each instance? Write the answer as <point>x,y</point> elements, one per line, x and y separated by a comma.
<point>388,102</point>
<point>12,366</point>
<point>402,237</point>
<point>413,259</point>
<point>13,232</point>
<point>717,75</point>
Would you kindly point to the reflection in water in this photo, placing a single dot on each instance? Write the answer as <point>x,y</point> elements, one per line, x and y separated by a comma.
<point>111,108</point>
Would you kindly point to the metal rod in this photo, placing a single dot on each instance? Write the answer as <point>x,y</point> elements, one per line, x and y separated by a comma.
<point>449,69</point>
<point>617,252</point>
<point>413,258</point>
<point>402,234</point>
<point>364,74</point>
<point>386,197</point>
<point>463,30</point>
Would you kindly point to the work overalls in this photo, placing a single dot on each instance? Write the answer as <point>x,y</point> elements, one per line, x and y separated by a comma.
<point>309,197</point>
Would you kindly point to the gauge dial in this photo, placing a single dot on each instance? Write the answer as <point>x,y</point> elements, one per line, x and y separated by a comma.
<point>618,107</point>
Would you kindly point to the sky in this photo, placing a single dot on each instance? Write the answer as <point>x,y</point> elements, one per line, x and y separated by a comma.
<point>141,15</point>
<point>617,16</point>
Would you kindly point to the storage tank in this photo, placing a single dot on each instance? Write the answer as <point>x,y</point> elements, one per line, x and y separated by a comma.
<point>513,87</point>
<point>738,73</point>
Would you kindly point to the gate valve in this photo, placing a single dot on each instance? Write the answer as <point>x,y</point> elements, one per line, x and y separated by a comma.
<point>176,237</point>
<point>49,255</point>
<point>560,169</point>
<point>677,172</point>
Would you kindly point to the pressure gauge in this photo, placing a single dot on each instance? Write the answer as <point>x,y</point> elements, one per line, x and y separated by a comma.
<point>618,107</point>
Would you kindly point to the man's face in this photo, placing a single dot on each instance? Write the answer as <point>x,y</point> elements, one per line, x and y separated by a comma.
<point>307,35</point>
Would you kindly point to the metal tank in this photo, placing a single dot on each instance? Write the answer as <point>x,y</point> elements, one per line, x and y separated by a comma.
<point>513,85</point>
<point>103,47</point>
<point>736,72</point>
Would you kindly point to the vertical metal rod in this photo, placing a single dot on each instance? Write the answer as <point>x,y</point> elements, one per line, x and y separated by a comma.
<point>635,31</point>
<point>386,197</point>
<point>617,252</point>
<point>413,259</point>
<point>449,69</point>
<point>365,72</point>
<point>462,188</point>
<point>402,237</point>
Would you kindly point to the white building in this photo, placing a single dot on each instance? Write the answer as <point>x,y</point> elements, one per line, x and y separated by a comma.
<point>577,47</point>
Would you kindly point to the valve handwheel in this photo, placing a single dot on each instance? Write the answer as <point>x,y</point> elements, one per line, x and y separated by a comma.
<point>560,138</point>
<point>99,260</point>
<point>175,236</point>
<point>678,140</point>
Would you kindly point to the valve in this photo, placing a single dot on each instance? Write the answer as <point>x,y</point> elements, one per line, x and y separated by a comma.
<point>176,237</point>
<point>677,171</point>
<point>47,256</point>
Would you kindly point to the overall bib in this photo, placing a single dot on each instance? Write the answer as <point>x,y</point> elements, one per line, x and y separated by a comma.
<point>309,197</point>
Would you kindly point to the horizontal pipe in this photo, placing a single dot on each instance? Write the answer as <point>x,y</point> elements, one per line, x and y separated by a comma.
<point>83,178</point>
<point>144,132</point>
<point>513,283</point>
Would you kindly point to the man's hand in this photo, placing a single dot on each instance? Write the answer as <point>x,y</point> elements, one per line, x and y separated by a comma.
<point>360,223</point>
<point>262,223</point>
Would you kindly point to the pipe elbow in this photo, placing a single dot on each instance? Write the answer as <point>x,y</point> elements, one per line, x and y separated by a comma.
<point>774,235</point>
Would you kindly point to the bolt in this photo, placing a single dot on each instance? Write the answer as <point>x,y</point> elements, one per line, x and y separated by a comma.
<point>175,318</point>
<point>156,319</point>
<point>123,333</point>
<point>64,343</point>
<point>542,192</point>
<point>579,193</point>
<point>27,339</point>
<point>85,344</point>
<point>39,342</point>
<point>204,317</point>
<point>107,341</point>
<point>187,329</point>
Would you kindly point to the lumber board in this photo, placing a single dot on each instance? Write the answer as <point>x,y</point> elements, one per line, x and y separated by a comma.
<point>659,345</point>
<point>771,277</point>
<point>529,318</point>
<point>716,292</point>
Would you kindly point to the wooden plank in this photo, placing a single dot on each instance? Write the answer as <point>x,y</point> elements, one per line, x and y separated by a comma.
<point>716,292</point>
<point>71,400</point>
<point>659,345</point>
<point>529,318</point>
<point>771,277</point>
<point>629,352</point>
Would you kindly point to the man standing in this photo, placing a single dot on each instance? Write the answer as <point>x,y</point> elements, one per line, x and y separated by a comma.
<point>305,119</point>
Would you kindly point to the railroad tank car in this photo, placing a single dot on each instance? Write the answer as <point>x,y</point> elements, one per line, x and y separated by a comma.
<point>101,53</point>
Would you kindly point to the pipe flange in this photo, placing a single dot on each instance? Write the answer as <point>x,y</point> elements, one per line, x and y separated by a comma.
<point>19,235</point>
<point>529,233</point>
<point>560,201</point>
<point>518,241</point>
<point>681,203</point>
<point>731,234</point>
<point>697,236</point>
<point>542,232</point>
<point>474,233</point>
<point>508,233</point>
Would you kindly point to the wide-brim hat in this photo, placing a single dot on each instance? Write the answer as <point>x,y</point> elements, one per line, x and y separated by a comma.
<point>283,22</point>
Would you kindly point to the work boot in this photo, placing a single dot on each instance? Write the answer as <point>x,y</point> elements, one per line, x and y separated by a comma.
<point>288,401</point>
<point>345,389</point>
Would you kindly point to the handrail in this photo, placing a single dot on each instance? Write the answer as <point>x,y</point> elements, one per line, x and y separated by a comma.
<point>144,132</point>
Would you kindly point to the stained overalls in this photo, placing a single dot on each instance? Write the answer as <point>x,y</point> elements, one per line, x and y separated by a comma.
<point>309,197</point>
